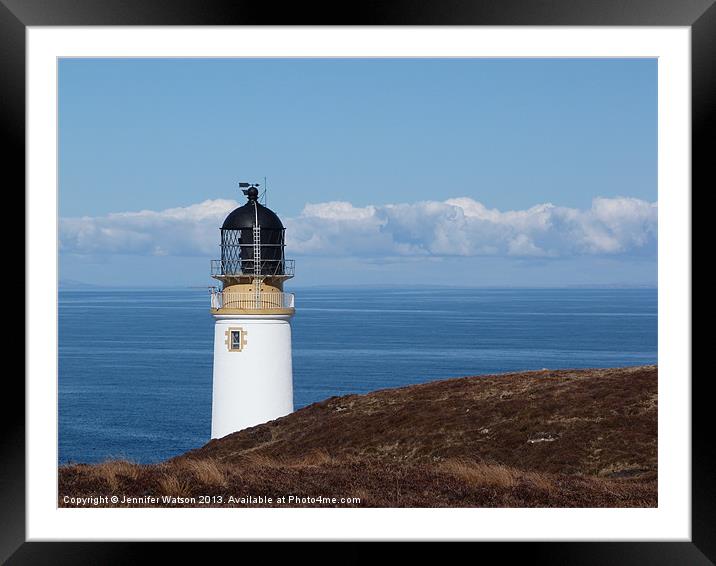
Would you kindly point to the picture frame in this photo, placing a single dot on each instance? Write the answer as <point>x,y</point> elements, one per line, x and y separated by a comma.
<point>700,16</point>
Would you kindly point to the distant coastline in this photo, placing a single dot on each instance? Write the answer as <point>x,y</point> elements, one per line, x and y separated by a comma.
<point>70,284</point>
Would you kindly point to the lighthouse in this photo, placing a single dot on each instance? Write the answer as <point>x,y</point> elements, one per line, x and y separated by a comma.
<point>253,378</point>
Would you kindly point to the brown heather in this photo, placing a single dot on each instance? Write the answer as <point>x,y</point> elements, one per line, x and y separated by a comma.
<point>565,438</point>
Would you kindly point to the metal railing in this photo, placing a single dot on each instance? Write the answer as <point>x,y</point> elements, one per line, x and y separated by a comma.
<point>251,301</point>
<point>247,267</point>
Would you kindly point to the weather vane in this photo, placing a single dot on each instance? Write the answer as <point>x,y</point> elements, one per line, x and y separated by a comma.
<point>246,186</point>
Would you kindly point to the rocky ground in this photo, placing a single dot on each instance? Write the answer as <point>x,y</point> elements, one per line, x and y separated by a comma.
<point>565,438</point>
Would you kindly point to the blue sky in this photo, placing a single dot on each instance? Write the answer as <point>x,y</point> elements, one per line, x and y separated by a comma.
<point>510,135</point>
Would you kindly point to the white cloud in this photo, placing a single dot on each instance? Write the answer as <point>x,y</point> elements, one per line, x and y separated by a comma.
<point>465,227</point>
<point>190,230</point>
<point>455,227</point>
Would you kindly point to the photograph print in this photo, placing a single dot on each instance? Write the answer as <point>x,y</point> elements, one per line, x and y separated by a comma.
<point>377,282</point>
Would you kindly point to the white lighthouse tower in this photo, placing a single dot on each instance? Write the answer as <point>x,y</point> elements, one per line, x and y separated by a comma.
<point>253,379</point>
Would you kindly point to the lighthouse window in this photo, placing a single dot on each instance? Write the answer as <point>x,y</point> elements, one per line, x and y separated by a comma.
<point>236,339</point>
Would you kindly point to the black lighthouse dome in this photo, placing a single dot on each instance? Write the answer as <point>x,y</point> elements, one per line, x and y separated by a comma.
<point>247,225</point>
<point>252,214</point>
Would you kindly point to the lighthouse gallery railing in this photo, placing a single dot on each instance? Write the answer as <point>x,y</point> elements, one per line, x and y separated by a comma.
<point>250,301</point>
<point>247,267</point>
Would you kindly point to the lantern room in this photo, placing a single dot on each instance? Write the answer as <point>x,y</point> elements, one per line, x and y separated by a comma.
<point>252,267</point>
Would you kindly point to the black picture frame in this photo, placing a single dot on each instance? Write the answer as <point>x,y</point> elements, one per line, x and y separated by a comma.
<point>16,15</point>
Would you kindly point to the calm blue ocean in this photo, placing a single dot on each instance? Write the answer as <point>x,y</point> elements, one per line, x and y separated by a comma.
<point>135,365</point>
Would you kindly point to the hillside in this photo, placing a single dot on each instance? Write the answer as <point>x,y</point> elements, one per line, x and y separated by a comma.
<point>585,438</point>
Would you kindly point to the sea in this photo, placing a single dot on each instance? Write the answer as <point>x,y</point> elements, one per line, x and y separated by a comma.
<point>135,365</point>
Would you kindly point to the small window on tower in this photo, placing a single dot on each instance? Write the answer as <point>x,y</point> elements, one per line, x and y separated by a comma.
<point>236,339</point>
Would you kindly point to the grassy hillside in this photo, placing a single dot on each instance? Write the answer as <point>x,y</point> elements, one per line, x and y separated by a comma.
<point>585,438</point>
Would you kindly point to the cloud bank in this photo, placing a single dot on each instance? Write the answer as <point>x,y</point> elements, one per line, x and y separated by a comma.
<point>455,227</point>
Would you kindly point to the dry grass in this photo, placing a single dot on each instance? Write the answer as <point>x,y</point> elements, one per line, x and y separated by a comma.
<point>207,472</point>
<point>479,474</point>
<point>476,474</point>
<point>111,472</point>
<point>259,460</point>
<point>317,457</point>
<point>540,481</point>
<point>174,486</point>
